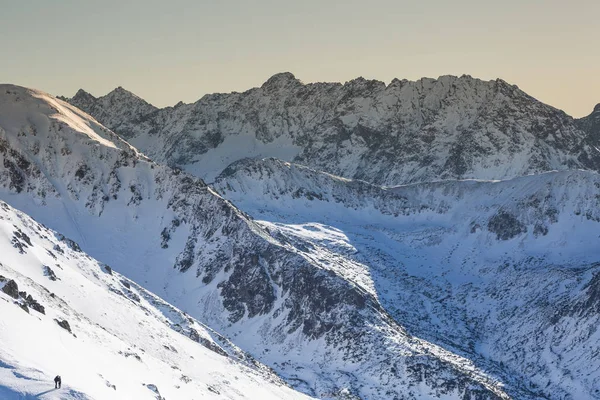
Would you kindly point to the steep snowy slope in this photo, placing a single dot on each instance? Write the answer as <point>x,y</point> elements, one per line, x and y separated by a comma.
<point>175,236</point>
<point>504,273</point>
<point>65,313</point>
<point>431,129</point>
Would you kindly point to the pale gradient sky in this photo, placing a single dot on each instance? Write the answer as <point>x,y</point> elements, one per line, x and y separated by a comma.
<point>166,51</point>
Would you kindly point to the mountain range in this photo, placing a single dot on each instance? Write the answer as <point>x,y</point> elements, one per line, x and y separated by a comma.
<point>405,132</point>
<point>428,239</point>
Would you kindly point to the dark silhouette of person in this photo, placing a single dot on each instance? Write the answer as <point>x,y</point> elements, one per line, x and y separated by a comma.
<point>57,382</point>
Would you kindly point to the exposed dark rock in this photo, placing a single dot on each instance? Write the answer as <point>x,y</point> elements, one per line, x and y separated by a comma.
<point>213,389</point>
<point>16,176</point>
<point>186,258</point>
<point>506,226</point>
<point>106,268</point>
<point>12,289</point>
<point>70,243</point>
<point>33,304</point>
<point>133,296</point>
<point>21,241</point>
<point>64,324</point>
<point>212,346</point>
<point>153,388</point>
<point>540,229</point>
<point>193,334</point>
<point>58,249</point>
<point>165,236</point>
<point>49,273</point>
<point>82,171</point>
<point>23,236</point>
<point>247,289</point>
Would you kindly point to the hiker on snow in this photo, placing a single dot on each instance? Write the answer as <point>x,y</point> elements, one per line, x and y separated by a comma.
<point>57,382</point>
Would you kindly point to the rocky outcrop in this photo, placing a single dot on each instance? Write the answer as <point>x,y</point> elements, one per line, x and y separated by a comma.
<point>506,226</point>
<point>11,288</point>
<point>64,324</point>
<point>34,305</point>
<point>49,272</point>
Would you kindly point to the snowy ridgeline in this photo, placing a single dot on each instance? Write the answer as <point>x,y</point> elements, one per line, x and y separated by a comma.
<point>65,313</point>
<point>456,289</point>
<point>405,132</point>
<point>169,232</point>
<point>504,273</point>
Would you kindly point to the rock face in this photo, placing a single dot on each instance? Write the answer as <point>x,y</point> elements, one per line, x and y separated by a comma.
<point>110,108</point>
<point>591,125</point>
<point>139,217</point>
<point>427,130</point>
<point>11,288</point>
<point>64,324</point>
<point>34,305</point>
<point>49,272</point>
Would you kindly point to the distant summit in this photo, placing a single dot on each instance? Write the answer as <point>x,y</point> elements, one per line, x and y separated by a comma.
<point>119,109</point>
<point>281,80</point>
<point>404,132</point>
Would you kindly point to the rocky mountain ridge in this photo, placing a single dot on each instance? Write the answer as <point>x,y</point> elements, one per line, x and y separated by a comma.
<point>501,272</point>
<point>172,234</point>
<point>426,130</point>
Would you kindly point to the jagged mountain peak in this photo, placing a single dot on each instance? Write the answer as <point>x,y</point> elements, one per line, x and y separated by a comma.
<point>281,80</point>
<point>83,95</point>
<point>591,125</point>
<point>119,94</point>
<point>120,109</point>
<point>451,127</point>
<point>284,78</point>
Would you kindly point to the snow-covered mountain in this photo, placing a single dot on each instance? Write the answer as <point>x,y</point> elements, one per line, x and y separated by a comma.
<point>65,313</point>
<point>430,129</point>
<point>504,273</point>
<point>166,230</point>
<point>111,110</point>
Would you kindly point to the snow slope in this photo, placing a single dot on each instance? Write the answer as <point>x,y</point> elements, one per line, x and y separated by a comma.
<point>175,236</point>
<point>504,273</point>
<point>407,131</point>
<point>123,343</point>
